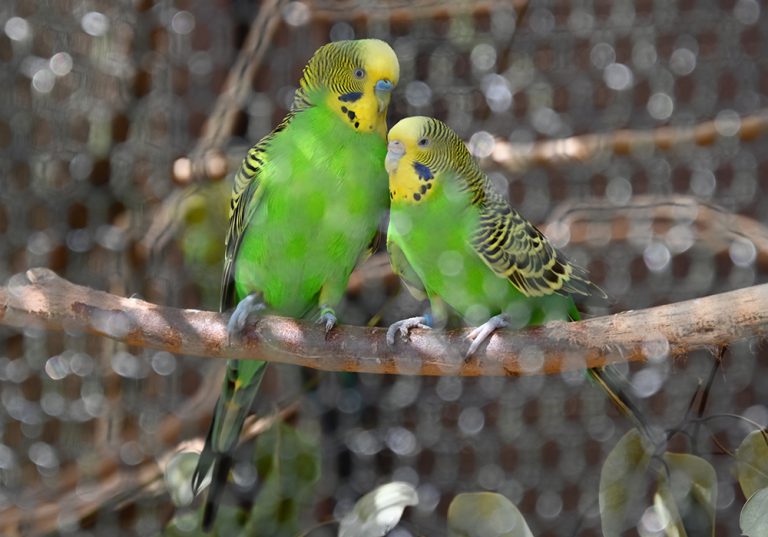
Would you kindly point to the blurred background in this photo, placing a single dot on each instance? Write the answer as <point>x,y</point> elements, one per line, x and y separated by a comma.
<point>114,152</point>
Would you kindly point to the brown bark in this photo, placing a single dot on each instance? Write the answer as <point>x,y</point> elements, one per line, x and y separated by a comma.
<point>42,299</point>
<point>519,157</point>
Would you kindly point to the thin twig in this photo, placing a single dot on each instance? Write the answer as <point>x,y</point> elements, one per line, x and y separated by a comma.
<point>236,88</point>
<point>74,503</point>
<point>334,10</point>
<point>517,157</point>
<point>207,160</point>
<point>583,221</point>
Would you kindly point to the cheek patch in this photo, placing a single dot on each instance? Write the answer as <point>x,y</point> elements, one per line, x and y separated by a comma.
<point>351,97</point>
<point>423,171</point>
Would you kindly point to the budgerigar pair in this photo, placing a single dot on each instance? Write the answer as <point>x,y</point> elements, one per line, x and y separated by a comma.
<point>306,204</point>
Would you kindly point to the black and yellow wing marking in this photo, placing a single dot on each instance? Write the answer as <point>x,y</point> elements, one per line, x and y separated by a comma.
<point>515,249</point>
<point>247,193</point>
<point>246,196</point>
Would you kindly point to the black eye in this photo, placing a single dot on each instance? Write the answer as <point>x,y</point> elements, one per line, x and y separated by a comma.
<point>423,142</point>
<point>359,73</point>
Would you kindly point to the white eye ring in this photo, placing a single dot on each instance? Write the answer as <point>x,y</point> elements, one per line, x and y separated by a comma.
<point>359,73</point>
<point>423,142</point>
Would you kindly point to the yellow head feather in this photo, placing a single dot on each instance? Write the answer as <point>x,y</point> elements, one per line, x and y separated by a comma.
<point>355,79</point>
<point>422,151</point>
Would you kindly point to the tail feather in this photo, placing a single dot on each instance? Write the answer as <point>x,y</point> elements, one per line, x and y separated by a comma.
<point>221,466</point>
<point>607,377</point>
<point>602,376</point>
<point>241,384</point>
<point>204,463</point>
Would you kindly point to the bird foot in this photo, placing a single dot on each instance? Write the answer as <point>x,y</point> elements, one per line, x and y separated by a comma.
<point>327,317</point>
<point>250,304</point>
<point>404,326</point>
<point>482,332</point>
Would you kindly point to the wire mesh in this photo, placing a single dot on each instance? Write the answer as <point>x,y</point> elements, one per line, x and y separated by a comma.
<point>97,101</point>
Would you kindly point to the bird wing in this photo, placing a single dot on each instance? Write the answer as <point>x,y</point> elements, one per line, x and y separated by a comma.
<point>515,249</point>
<point>247,193</point>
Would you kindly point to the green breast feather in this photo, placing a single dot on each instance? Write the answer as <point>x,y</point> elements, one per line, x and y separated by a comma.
<point>324,192</point>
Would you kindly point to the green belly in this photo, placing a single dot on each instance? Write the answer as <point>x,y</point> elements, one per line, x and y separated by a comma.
<point>435,237</point>
<point>325,193</point>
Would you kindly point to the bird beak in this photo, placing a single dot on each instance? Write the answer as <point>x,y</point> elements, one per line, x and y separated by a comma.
<point>395,151</point>
<point>383,91</point>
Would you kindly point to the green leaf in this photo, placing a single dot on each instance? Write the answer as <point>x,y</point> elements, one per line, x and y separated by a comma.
<point>623,482</point>
<point>184,524</point>
<point>752,463</point>
<point>754,515</point>
<point>287,466</point>
<point>485,514</point>
<point>687,495</point>
<point>378,511</point>
<point>666,510</point>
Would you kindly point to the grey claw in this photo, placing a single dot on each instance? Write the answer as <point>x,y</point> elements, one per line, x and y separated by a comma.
<point>478,335</point>
<point>404,326</point>
<point>329,319</point>
<point>250,304</point>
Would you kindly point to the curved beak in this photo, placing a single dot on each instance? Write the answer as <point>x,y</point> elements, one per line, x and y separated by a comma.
<point>383,90</point>
<point>395,151</point>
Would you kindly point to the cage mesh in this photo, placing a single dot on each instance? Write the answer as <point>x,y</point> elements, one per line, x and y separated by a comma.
<point>99,99</point>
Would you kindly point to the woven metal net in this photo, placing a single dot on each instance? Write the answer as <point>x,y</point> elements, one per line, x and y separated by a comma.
<point>99,99</point>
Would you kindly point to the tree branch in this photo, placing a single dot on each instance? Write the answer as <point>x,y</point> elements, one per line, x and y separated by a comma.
<point>395,10</point>
<point>717,227</point>
<point>115,484</point>
<point>207,160</point>
<point>42,300</point>
<point>519,157</point>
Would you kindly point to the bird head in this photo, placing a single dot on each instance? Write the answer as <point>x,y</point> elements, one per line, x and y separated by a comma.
<point>419,149</point>
<point>355,79</point>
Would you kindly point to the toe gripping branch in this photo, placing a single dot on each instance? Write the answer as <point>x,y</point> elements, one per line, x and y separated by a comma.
<point>404,326</point>
<point>252,303</point>
<point>327,317</point>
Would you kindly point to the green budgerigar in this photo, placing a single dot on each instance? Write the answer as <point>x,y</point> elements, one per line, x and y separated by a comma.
<point>453,238</point>
<point>305,208</point>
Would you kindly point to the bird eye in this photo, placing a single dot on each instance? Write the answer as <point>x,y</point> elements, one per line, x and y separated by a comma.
<point>423,142</point>
<point>359,73</point>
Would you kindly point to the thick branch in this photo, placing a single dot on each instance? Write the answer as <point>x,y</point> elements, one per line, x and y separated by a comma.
<point>40,299</point>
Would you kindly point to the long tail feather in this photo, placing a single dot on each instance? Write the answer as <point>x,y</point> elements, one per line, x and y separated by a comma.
<point>603,377</point>
<point>221,466</point>
<point>231,410</point>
